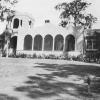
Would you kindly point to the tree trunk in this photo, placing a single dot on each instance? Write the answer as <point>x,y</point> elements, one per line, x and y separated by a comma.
<point>7,50</point>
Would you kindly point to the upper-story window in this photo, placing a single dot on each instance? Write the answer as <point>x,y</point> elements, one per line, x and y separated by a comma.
<point>16,23</point>
<point>30,23</point>
<point>21,22</point>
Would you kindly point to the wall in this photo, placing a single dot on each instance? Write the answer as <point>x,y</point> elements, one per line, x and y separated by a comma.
<point>47,28</point>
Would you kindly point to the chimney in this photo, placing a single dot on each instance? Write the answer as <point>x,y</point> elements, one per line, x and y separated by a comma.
<point>47,21</point>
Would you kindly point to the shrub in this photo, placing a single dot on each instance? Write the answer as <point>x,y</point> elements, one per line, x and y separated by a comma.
<point>34,55</point>
<point>51,56</point>
<point>39,56</point>
<point>21,55</point>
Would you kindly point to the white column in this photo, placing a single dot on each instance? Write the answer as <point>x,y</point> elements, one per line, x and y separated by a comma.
<point>64,45</point>
<point>43,44</point>
<point>53,44</point>
<point>92,43</point>
<point>7,49</point>
<point>33,44</point>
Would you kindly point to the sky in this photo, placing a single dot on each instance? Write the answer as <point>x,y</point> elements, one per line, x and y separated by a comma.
<point>44,9</point>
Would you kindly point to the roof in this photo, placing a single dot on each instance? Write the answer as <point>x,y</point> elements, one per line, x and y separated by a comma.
<point>93,31</point>
<point>24,14</point>
<point>49,28</point>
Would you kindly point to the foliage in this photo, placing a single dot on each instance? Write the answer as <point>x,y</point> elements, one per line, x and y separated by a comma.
<point>6,9</point>
<point>75,12</point>
<point>6,14</point>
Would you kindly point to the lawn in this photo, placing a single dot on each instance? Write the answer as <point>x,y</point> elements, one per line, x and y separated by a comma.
<point>41,79</point>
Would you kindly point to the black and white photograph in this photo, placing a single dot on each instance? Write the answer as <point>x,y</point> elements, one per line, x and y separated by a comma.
<point>49,50</point>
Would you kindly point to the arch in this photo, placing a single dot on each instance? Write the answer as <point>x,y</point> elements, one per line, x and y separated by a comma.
<point>28,42</point>
<point>48,43</point>
<point>58,45</point>
<point>16,23</point>
<point>38,42</point>
<point>70,43</point>
<point>13,44</point>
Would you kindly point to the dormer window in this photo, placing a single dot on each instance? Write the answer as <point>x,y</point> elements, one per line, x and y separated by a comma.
<point>16,23</point>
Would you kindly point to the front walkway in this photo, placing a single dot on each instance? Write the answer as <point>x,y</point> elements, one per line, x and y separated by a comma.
<point>37,79</point>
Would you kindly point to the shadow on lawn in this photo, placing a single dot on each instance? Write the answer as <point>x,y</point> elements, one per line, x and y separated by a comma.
<point>71,69</point>
<point>45,85</point>
<point>6,97</point>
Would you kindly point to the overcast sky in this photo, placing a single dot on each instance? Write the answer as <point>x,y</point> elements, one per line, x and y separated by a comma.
<point>44,9</point>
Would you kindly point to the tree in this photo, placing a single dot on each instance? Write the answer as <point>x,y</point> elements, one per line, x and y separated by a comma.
<point>6,14</point>
<point>76,10</point>
<point>6,9</point>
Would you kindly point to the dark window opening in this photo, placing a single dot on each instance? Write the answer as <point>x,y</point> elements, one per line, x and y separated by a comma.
<point>16,23</point>
<point>28,42</point>
<point>13,44</point>
<point>58,46</point>
<point>38,42</point>
<point>70,43</point>
<point>91,44</point>
<point>48,43</point>
<point>30,23</point>
<point>21,22</point>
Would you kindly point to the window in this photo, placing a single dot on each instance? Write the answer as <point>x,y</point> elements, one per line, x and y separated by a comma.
<point>91,44</point>
<point>48,43</point>
<point>70,43</point>
<point>16,23</point>
<point>21,22</point>
<point>28,42</point>
<point>30,23</point>
<point>58,45</point>
<point>38,42</point>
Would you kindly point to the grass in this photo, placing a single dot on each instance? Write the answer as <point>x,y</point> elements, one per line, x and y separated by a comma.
<point>52,79</point>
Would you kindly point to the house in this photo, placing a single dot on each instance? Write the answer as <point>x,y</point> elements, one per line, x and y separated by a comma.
<point>46,39</point>
<point>92,43</point>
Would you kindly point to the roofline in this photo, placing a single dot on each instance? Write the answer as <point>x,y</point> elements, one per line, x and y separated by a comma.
<point>24,14</point>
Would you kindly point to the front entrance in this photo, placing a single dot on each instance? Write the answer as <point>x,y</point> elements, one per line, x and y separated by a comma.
<point>13,45</point>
